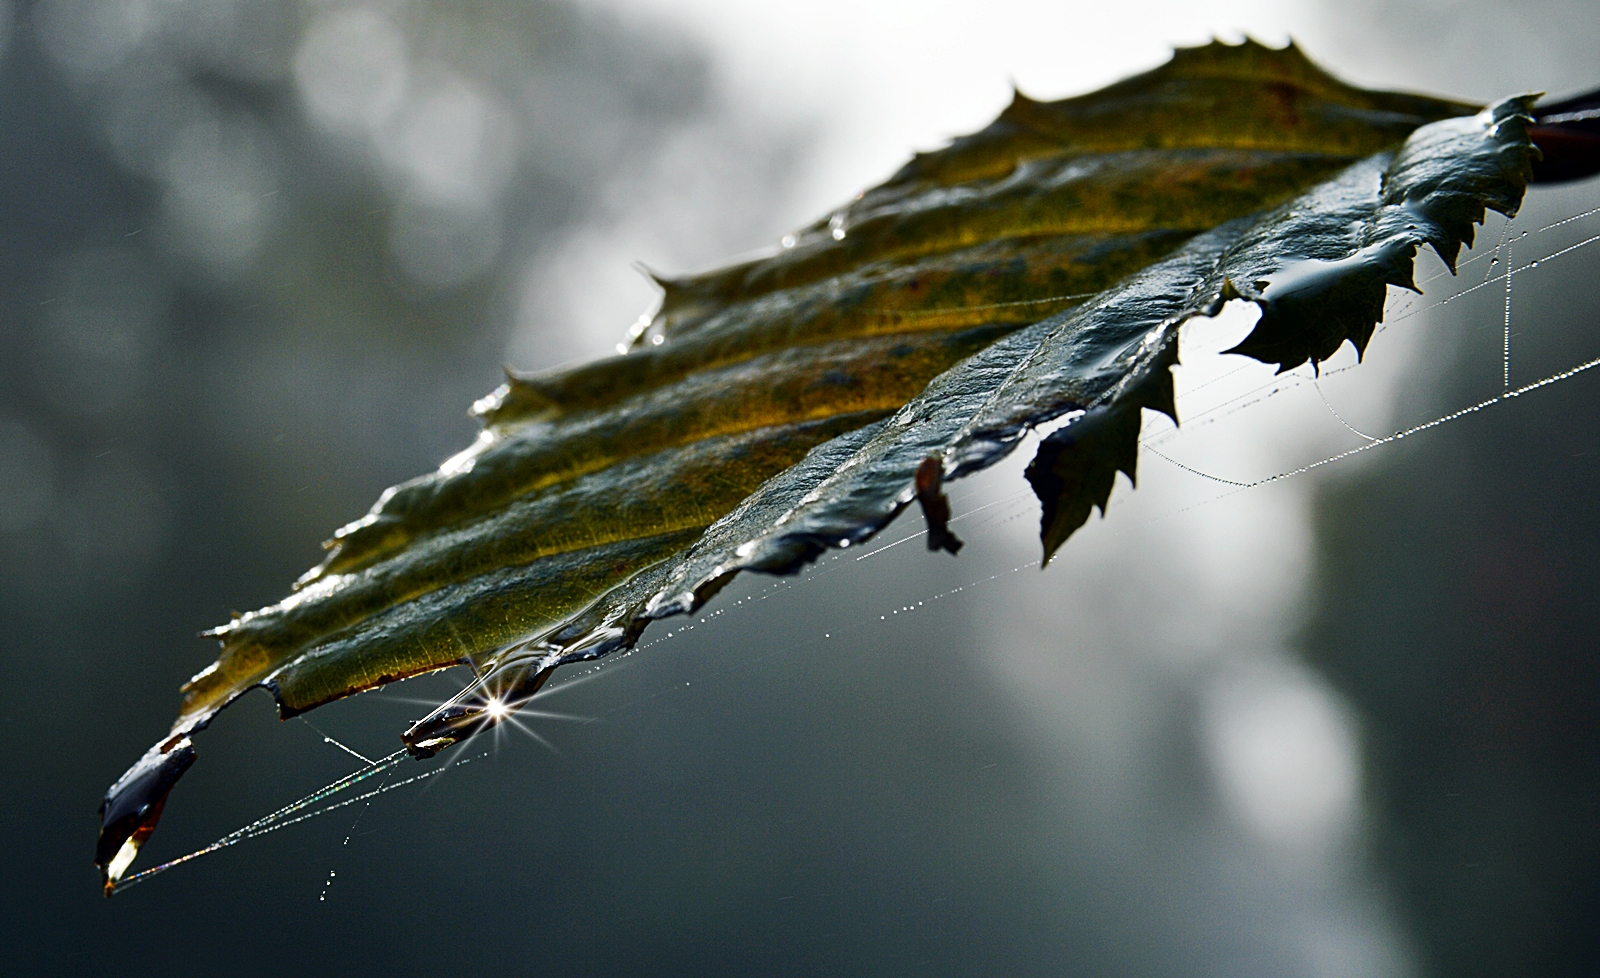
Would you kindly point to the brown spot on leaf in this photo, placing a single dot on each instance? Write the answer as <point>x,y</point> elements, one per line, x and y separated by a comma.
<point>935,505</point>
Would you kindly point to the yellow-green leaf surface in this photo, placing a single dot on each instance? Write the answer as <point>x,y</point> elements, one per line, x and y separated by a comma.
<point>1034,271</point>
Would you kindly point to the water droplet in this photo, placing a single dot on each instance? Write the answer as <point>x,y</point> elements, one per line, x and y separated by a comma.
<point>657,340</point>
<point>1534,265</point>
<point>838,234</point>
<point>788,241</point>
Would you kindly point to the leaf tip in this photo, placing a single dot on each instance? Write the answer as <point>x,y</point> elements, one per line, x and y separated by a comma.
<point>133,805</point>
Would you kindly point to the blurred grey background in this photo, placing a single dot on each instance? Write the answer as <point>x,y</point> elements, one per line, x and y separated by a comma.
<point>257,259</point>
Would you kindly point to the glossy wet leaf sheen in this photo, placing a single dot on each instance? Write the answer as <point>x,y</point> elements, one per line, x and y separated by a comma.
<point>1036,270</point>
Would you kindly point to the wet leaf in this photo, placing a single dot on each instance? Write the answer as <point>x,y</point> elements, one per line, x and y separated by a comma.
<point>1037,271</point>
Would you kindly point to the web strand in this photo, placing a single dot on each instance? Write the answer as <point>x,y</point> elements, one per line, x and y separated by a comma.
<point>1397,436</point>
<point>1505,355</point>
<point>268,823</point>
<point>329,740</point>
<point>1317,383</point>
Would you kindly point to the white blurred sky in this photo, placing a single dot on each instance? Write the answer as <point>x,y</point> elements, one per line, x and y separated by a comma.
<point>884,77</point>
<point>880,78</point>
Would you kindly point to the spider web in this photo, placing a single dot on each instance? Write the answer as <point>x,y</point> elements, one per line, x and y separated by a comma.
<point>1218,400</point>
